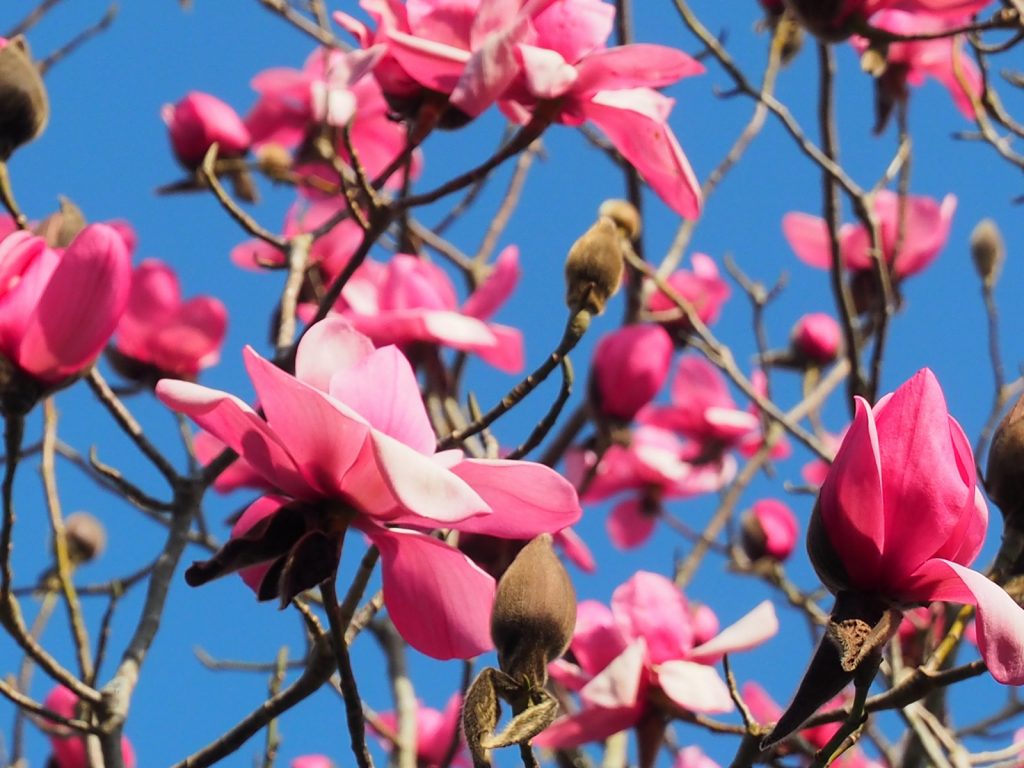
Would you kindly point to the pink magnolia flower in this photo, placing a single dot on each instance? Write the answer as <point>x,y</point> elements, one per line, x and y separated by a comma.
<point>408,299</point>
<point>68,747</point>
<point>769,530</point>
<point>567,63</point>
<point>639,657</point>
<point>816,338</point>
<point>751,443</point>
<point>702,409</point>
<point>239,474</point>
<point>815,471</point>
<point>702,287</point>
<point>630,366</point>
<point>58,308</point>
<point>312,761</point>
<point>347,442</point>
<point>651,468</point>
<point>200,120</point>
<point>837,20</point>
<point>910,62</point>
<point>161,331</point>
<point>435,732</point>
<point>925,231</point>
<point>902,513</point>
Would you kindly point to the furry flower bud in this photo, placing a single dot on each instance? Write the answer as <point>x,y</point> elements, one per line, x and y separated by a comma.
<point>594,266</point>
<point>24,107</point>
<point>534,611</point>
<point>86,537</point>
<point>1004,477</point>
<point>987,251</point>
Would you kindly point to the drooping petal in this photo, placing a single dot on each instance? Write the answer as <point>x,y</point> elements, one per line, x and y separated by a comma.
<point>438,599</point>
<point>634,66</point>
<point>651,607</point>
<point>694,687</point>
<point>432,64</point>
<point>597,638</point>
<point>620,683</point>
<point>497,287</point>
<point>808,237</point>
<point>749,632</point>
<point>630,524</point>
<point>589,724</point>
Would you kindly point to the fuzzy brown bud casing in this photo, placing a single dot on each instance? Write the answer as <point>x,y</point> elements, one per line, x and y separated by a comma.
<point>596,262</point>
<point>1004,476</point>
<point>24,107</point>
<point>534,612</point>
<point>624,214</point>
<point>987,251</point>
<point>86,538</point>
<point>60,228</point>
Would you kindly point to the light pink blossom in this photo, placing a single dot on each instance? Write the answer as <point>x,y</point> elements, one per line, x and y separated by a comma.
<point>925,231</point>
<point>68,747</point>
<point>630,367</point>
<point>347,442</point>
<point>435,732</point>
<point>177,338</point>
<point>408,299</point>
<point>59,308</point>
<point>642,649</point>
<point>199,121</point>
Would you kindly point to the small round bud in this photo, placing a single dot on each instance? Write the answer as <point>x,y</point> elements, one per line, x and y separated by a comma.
<point>274,160</point>
<point>60,228</point>
<point>86,538</point>
<point>816,338</point>
<point>534,611</point>
<point>24,107</point>
<point>594,267</point>
<point>768,530</point>
<point>1004,477</point>
<point>624,214</point>
<point>987,251</point>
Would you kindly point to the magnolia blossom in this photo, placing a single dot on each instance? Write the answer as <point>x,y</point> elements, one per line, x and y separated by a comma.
<point>651,468</point>
<point>837,20</point>
<point>59,307</point>
<point>912,61</point>
<point>816,338</point>
<point>347,443</point>
<point>702,287</point>
<point>630,366</point>
<point>159,330</point>
<point>408,299</point>
<point>924,228</point>
<point>68,747</point>
<point>199,121</point>
<point>312,761</point>
<point>639,657</point>
<point>435,732</point>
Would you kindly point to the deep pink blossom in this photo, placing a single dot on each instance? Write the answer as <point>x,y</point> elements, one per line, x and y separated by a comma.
<point>639,649</point>
<point>347,443</point>
<point>68,747</point>
<point>838,20</point>
<point>312,761</point>
<point>435,732</point>
<point>925,231</point>
<point>701,286</point>
<point>651,468</point>
<point>408,299</point>
<point>914,60</point>
<point>177,338</point>
<point>200,120</point>
<point>630,367</point>
<point>816,338</point>
<point>58,309</point>
<point>903,514</point>
<point>775,529</point>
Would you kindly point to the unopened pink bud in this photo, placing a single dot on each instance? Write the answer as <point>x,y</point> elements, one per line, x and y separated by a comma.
<point>630,367</point>
<point>769,530</point>
<point>816,338</point>
<point>200,120</point>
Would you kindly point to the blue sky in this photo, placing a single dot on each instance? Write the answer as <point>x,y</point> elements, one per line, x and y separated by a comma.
<point>107,150</point>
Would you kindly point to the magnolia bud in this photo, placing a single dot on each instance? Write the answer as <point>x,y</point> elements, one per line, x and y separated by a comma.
<point>816,338</point>
<point>534,612</point>
<point>59,229</point>
<point>1004,477</point>
<point>624,214</point>
<point>24,107</point>
<point>768,530</point>
<point>594,267</point>
<point>85,536</point>
<point>987,251</point>
<point>274,160</point>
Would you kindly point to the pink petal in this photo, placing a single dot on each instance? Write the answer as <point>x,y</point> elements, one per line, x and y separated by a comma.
<point>259,510</point>
<point>618,684</point>
<point>635,124</point>
<point>240,474</point>
<point>546,74</point>
<point>630,367</point>
<point>435,730</point>
<point>382,388</point>
<point>651,607</point>
<point>80,306</point>
<point>575,550</point>
<point>496,288</point>
<point>695,687</point>
<point>191,340</point>
<point>432,64</point>
<point>439,600</point>
<point>574,28</point>
<point>330,346</point>
<point>590,724</point>
<point>749,632</point>
<point>239,427</point>
<point>324,438</point>
<point>255,254</point>
<point>597,638</point>
<point>505,353</point>
<point>1000,620</point>
<point>489,71</point>
<point>629,524</point>
<point>808,237</point>
<point>634,66</point>
<point>527,498</point>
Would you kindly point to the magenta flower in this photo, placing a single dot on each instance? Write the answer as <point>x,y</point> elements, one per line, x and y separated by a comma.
<point>200,120</point>
<point>702,287</point>
<point>650,469</point>
<point>770,530</point>
<point>165,334</point>
<point>68,747</point>
<point>408,299</point>
<point>838,20</point>
<point>567,62</point>
<point>435,732</point>
<point>638,657</point>
<point>58,308</point>
<point>347,443</point>
<point>816,338</point>
<point>925,232</point>
<point>312,761</point>
<point>630,367</point>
